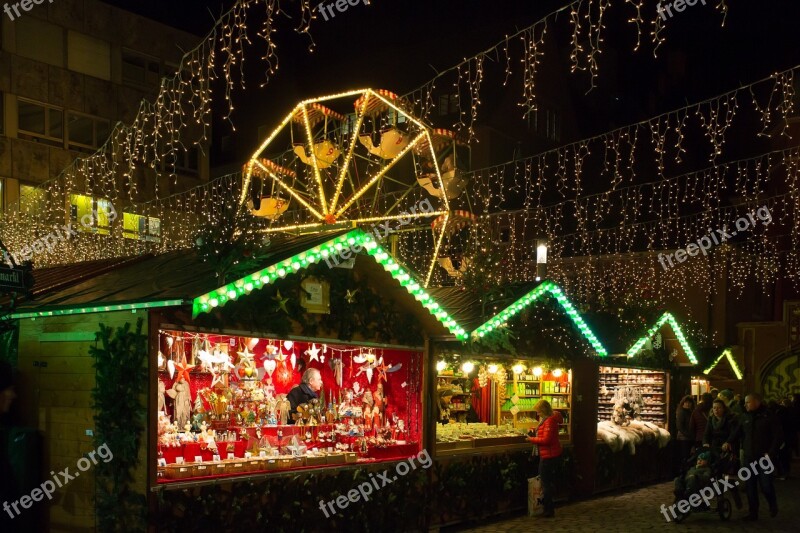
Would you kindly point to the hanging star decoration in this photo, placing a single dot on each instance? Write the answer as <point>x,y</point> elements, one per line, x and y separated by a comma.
<point>281,302</point>
<point>246,361</point>
<point>183,371</point>
<point>381,368</point>
<point>350,296</point>
<point>313,353</point>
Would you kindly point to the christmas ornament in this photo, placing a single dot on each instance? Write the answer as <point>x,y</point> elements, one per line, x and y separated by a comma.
<point>313,353</point>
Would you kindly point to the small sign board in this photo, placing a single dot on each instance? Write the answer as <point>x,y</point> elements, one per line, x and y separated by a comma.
<point>15,279</point>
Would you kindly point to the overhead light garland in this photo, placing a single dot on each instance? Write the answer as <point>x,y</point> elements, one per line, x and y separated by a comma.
<point>586,19</point>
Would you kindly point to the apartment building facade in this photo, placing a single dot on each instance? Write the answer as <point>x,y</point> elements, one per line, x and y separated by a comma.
<point>69,71</point>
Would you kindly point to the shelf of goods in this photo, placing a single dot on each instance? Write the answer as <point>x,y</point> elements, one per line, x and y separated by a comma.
<point>460,402</point>
<point>221,414</point>
<point>462,436</point>
<point>651,384</point>
<point>528,393</point>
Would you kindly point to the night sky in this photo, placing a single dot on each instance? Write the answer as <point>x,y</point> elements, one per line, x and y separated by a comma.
<point>397,44</point>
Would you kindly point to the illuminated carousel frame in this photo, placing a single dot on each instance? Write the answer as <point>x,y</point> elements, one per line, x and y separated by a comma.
<point>331,213</point>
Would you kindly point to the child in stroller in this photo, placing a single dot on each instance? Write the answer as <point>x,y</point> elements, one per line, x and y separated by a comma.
<point>702,480</point>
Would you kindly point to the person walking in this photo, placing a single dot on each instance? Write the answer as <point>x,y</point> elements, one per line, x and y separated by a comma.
<point>721,425</point>
<point>549,452</point>
<point>761,436</point>
<point>684,435</point>
<point>699,420</point>
<point>733,406</point>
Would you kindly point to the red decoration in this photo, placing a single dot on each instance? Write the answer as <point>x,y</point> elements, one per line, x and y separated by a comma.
<point>183,372</point>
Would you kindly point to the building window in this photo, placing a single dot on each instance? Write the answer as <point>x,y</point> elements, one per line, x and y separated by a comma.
<point>139,69</point>
<point>141,227</point>
<point>39,40</point>
<point>89,55</point>
<point>448,104</point>
<point>40,120</point>
<point>90,215</point>
<point>31,199</point>
<point>546,122</point>
<point>85,131</point>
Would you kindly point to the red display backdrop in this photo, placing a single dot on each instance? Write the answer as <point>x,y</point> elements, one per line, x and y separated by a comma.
<point>400,371</point>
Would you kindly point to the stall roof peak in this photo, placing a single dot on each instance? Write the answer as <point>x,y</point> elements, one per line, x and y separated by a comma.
<point>666,318</point>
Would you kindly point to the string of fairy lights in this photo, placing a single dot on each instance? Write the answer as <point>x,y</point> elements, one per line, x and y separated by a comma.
<point>139,160</point>
<point>527,46</point>
<point>550,195</point>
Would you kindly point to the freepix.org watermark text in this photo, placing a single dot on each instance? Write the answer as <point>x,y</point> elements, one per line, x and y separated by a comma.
<point>327,8</point>
<point>717,487</point>
<point>26,5</point>
<point>365,489</point>
<point>66,232</point>
<point>380,231</point>
<point>678,5</point>
<point>714,238</point>
<point>60,479</point>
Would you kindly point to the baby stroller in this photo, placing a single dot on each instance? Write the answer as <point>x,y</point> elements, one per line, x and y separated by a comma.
<point>712,482</point>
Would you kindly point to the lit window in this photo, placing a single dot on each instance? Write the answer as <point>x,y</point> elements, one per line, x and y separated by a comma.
<point>31,199</point>
<point>90,215</point>
<point>141,227</point>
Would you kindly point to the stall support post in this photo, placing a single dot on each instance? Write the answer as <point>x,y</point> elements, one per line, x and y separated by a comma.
<point>429,396</point>
<point>585,376</point>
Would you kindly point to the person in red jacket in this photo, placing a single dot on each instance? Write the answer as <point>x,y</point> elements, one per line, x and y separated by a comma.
<point>546,438</point>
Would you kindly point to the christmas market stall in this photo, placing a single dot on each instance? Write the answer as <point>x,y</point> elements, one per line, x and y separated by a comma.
<point>487,388</point>
<point>635,405</point>
<point>228,422</point>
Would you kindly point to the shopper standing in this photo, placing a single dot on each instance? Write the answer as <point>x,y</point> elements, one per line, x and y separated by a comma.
<point>549,452</point>
<point>699,420</point>
<point>685,437</point>
<point>761,436</point>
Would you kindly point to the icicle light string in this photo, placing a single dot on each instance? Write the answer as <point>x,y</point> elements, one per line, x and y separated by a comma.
<point>586,18</point>
<point>669,230</point>
<point>148,150</point>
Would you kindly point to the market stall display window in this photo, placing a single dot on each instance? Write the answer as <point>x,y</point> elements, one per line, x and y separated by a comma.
<point>490,402</point>
<point>632,407</point>
<point>641,392</point>
<point>230,405</point>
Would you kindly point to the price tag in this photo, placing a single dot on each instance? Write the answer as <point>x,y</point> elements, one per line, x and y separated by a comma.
<point>162,462</point>
<point>179,460</point>
<point>216,458</point>
<point>262,454</point>
<point>198,458</point>
<point>248,455</point>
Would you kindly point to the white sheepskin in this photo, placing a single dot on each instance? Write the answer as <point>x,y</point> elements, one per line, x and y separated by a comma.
<point>619,437</point>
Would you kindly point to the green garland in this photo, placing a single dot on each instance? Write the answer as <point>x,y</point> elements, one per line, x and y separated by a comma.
<point>120,423</point>
<point>356,309</point>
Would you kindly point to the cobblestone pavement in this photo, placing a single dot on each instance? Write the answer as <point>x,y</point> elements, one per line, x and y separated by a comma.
<point>639,510</point>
